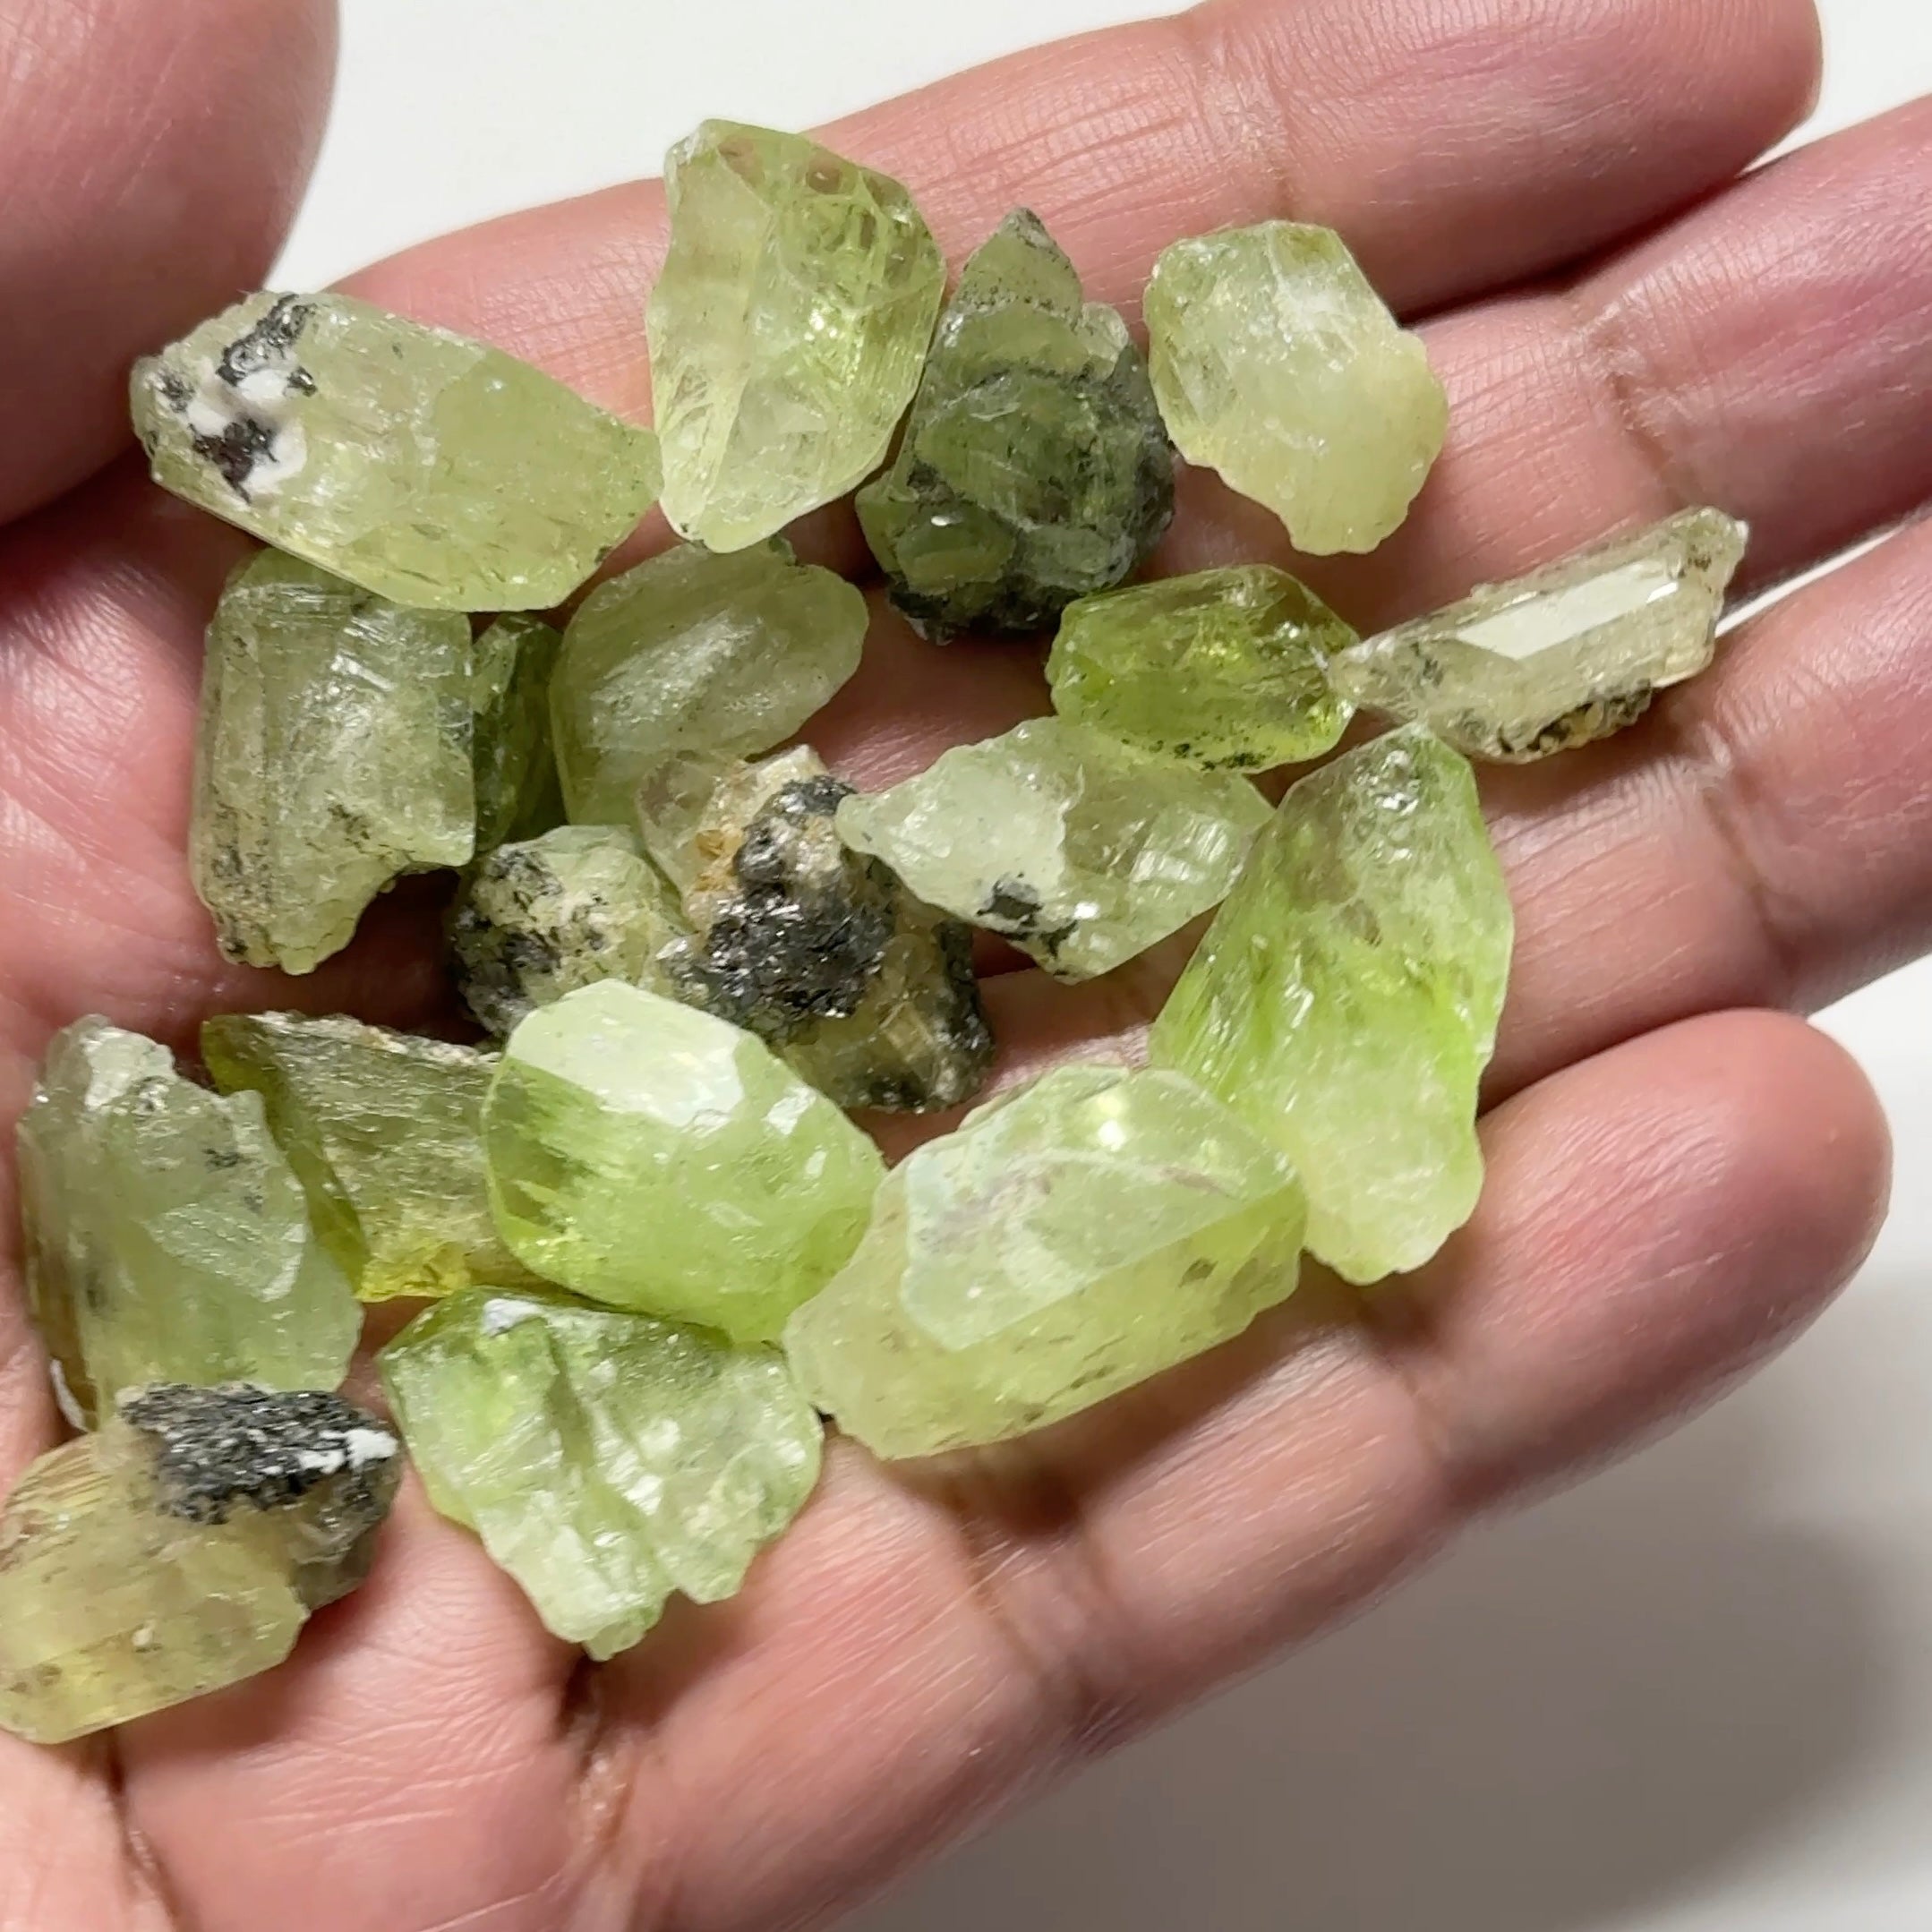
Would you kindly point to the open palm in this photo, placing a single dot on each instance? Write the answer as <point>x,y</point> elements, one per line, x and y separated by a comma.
<point>1678,1174</point>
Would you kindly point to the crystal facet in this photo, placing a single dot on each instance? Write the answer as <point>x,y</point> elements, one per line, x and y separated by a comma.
<point>517,790</point>
<point>1224,668</point>
<point>1345,1000</point>
<point>787,328</point>
<point>605,1460</point>
<point>417,464</point>
<point>1068,1241</point>
<point>656,1158</point>
<point>166,1239</point>
<point>1278,365</point>
<point>181,1549</point>
<point>694,653</point>
<point>1080,850</point>
<point>1570,653</point>
<point>1034,468</point>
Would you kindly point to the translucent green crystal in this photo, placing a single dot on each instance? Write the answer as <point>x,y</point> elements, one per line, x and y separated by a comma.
<point>181,1549</point>
<point>517,795</point>
<point>694,653</point>
<point>1034,468</point>
<point>166,1238</point>
<point>416,462</point>
<point>537,920</point>
<point>605,1460</point>
<point>1080,850</point>
<point>1224,668</point>
<point>333,755</point>
<point>385,1132</point>
<point>653,1157</point>
<point>787,328</point>
<point>1278,365</point>
<point>1345,1000</point>
<point>1570,653</point>
<point>1067,1242</point>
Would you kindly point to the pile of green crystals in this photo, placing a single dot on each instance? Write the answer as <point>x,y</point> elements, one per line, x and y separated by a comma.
<point>650,1248</point>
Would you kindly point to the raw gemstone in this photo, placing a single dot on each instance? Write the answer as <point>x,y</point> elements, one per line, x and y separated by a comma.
<point>517,792</point>
<point>537,920</point>
<point>181,1549</point>
<point>694,653</point>
<point>1278,365</point>
<point>416,462</point>
<point>1570,653</point>
<point>1080,850</point>
<point>1224,668</point>
<point>1066,1242</point>
<point>1034,468</point>
<point>166,1238</point>
<point>655,1159</point>
<point>333,755</point>
<point>605,1460</point>
<point>385,1132</point>
<point>1345,1000</point>
<point>787,328</point>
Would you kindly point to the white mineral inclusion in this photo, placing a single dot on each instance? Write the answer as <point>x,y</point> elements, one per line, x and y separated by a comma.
<point>269,392</point>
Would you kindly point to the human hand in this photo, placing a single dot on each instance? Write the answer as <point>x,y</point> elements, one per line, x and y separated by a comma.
<point>1675,1182</point>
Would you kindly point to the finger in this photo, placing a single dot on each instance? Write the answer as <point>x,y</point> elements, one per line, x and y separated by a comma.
<point>161,150</point>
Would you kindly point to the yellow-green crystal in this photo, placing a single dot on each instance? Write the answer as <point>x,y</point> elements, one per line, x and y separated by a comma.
<point>166,1238</point>
<point>517,795</point>
<point>1568,654</point>
<point>605,1460</point>
<point>1082,850</point>
<point>653,1157</point>
<point>1226,668</point>
<point>418,464</point>
<point>787,328</point>
<point>1067,1242</point>
<point>334,754</point>
<point>1276,363</point>
<point>1345,1000</point>
<point>181,1549</point>
<point>692,652</point>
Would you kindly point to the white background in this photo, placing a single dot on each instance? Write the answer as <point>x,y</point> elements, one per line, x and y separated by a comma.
<point>1696,1695</point>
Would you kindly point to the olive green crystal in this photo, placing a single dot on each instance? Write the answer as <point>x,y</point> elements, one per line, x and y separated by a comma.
<point>419,464</point>
<point>605,1460</point>
<point>334,754</point>
<point>1034,468</point>
<point>1067,1242</point>
<point>517,795</point>
<point>1568,654</point>
<point>787,328</point>
<point>656,1158</point>
<point>1276,363</point>
<point>1345,1000</point>
<point>1080,849</point>
<point>692,652</point>
<point>166,1238</point>
<point>1224,668</point>
<point>181,1549</point>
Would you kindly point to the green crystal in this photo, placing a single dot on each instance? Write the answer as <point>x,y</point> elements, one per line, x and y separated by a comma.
<point>694,653</point>
<point>1568,654</point>
<point>605,1460</point>
<point>538,919</point>
<point>1067,1242</point>
<point>1278,365</point>
<point>333,755</point>
<point>656,1158</point>
<point>166,1238</point>
<point>1224,668</point>
<point>385,1132</point>
<point>787,328</point>
<point>1345,1000</point>
<point>181,1549</point>
<point>416,462</point>
<point>517,795</point>
<point>1080,850</point>
<point>1034,468</point>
